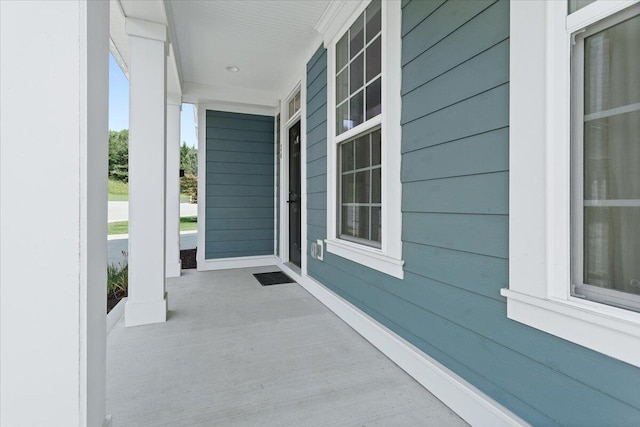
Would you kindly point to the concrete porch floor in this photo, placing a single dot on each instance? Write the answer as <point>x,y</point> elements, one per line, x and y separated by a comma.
<point>236,353</point>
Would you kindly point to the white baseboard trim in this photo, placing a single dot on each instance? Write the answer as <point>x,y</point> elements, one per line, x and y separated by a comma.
<point>464,399</point>
<point>146,312</point>
<point>240,262</point>
<point>115,314</point>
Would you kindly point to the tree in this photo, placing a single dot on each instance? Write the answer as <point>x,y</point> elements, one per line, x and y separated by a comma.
<point>189,159</point>
<point>119,155</point>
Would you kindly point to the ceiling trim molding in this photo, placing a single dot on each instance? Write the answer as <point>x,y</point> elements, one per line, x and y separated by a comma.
<point>173,40</point>
<point>202,93</point>
<point>118,57</point>
<point>335,17</point>
<point>147,29</point>
<point>234,107</point>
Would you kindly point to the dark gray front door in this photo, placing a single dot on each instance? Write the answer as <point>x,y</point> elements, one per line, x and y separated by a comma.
<point>295,197</point>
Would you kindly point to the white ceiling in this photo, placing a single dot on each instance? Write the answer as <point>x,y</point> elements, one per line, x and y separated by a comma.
<point>269,40</point>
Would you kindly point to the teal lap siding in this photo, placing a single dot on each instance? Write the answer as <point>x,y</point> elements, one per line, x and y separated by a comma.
<point>455,180</point>
<point>239,185</point>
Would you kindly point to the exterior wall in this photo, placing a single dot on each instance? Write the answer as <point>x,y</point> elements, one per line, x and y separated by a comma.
<point>239,185</point>
<point>455,226</point>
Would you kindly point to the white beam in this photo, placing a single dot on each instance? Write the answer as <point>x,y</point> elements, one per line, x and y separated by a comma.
<point>147,144</point>
<point>52,251</point>
<point>174,107</point>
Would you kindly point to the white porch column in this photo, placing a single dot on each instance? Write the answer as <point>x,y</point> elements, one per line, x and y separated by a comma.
<point>174,107</point>
<point>147,138</point>
<point>53,212</point>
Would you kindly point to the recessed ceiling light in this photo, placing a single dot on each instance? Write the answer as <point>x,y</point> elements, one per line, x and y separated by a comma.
<point>233,68</point>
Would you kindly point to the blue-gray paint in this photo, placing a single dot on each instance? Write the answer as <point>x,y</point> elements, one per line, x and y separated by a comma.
<point>455,178</point>
<point>239,185</point>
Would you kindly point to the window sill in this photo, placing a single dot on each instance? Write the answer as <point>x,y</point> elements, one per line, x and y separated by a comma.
<point>369,257</point>
<point>608,330</point>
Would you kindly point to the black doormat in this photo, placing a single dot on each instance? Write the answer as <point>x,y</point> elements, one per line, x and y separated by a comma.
<point>188,258</point>
<point>273,278</point>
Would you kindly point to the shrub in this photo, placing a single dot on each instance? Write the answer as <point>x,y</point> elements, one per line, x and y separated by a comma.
<point>118,278</point>
<point>189,186</point>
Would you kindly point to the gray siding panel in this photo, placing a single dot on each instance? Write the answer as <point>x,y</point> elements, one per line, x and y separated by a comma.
<point>239,185</point>
<point>455,228</point>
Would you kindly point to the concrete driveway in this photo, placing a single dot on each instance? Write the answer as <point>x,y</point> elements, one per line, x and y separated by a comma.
<point>119,211</point>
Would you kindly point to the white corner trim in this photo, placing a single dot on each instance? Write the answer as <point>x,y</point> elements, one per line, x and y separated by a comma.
<point>240,262</point>
<point>370,257</point>
<point>580,322</point>
<point>201,133</point>
<point>463,398</point>
<point>336,16</point>
<point>116,313</point>
<point>147,29</point>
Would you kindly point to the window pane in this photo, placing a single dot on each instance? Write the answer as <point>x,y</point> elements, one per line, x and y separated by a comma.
<point>342,52</point>
<point>342,118</point>
<point>347,188</point>
<point>363,154</point>
<point>356,33</point>
<point>374,59</point>
<point>356,70</point>
<point>363,187</point>
<point>376,186</point>
<point>374,19</point>
<point>342,86</point>
<point>347,156</point>
<point>578,4</point>
<point>612,248</point>
<point>376,224</point>
<point>374,99</point>
<point>612,67</point>
<point>356,109</point>
<point>362,222</point>
<point>375,148</point>
<point>292,109</point>
<point>348,218</point>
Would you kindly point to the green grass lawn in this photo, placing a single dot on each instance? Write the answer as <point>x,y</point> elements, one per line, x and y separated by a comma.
<point>119,192</point>
<point>187,223</point>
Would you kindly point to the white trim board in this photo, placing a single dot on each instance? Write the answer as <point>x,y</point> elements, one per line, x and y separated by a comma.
<point>239,262</point>
<point>464,399</point>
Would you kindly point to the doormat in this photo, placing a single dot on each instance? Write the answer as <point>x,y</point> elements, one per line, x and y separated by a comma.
<point>188,258</point>
<point>273,278</point>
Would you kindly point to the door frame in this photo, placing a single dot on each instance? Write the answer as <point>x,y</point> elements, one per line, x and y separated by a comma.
<point>285,125</point>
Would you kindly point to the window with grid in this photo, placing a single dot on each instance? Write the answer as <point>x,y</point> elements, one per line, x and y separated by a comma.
<point>358,104</point>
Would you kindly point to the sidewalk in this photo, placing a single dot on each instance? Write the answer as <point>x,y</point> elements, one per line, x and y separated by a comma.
<point>119,211</point>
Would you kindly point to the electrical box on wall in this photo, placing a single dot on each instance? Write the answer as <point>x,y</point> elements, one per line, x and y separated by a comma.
<point>317,250</point>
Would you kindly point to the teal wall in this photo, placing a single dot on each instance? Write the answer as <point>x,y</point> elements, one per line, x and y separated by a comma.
<point>455,146</point>
<point>239,182</point>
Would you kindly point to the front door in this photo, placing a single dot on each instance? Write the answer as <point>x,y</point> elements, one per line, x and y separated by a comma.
<point>295,198</point>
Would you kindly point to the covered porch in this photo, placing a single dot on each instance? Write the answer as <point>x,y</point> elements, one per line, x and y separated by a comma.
<point>236,353</point>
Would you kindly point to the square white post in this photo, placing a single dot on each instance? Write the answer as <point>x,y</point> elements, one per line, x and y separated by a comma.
<point>174,107</point>
<point>147,153</point>
<point>54,78</point>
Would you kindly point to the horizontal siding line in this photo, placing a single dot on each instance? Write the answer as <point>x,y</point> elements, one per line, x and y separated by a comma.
<point>232,252</point>
<point>448,34</point>
<point>240,116</point>
<point>455,103</point>
<point>241,163</point>
<point>269,196</point>
<point>214,139</point>
<point>316,143</point>
<point>315,176</point>
<point>316,192</point>
<point>311,65</point>
<point>216,127</point>
<point>236,207</point>
<point>454,250</point>
<point>248,153</point>
<point>454,67</point>
<point>259,141</point>
<point>453,140</point>
<point>309,84</point>
<point>310,114</point>
<point>421,21</point>
<point>455,176</point>
<point>236,241</point>
<point>324,122</point>
<point>240,229</point>
<point>317,67</point>
<point>311,98</point>
<point>454,213</point>
<point>240,185</point>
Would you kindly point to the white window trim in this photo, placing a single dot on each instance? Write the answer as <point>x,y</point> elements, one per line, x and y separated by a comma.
<point>539,184</point>
<point>387,259</point>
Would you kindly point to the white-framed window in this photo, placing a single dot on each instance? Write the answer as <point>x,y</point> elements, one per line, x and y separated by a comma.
<point>574,232</point>
<point>364,220</point>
